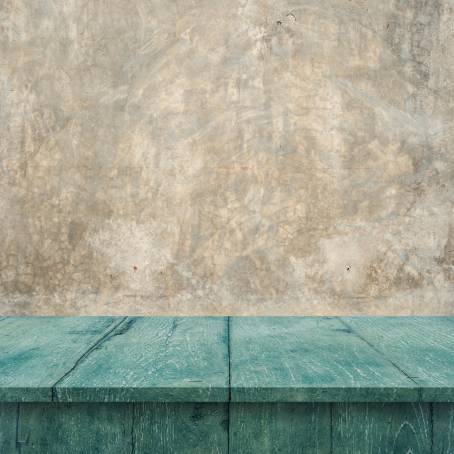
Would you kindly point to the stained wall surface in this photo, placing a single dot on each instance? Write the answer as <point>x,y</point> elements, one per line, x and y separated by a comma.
<point>234,157</point>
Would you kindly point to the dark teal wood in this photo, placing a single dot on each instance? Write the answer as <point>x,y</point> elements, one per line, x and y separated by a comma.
<point>304,359</point>
<point>113,428</point>
<point>218,385</point>
<point>344,428</point>
<point>74,428</point>
<point>443,428</point>
<point>181,428</point>
<point>35,352</point>
<point>269,428</point>
<point>158,359</point>
<point>421,347</point>
<point>382,428</point>
<point>8,421</point>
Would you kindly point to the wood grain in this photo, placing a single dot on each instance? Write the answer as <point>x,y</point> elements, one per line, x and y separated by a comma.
<point>311,385</point>
<point>293,359</point>
<point>297,359</point>
<point>422,347</point>
<point>344,428</point>
<point>443,428</point>
<point>36,352</point>
<point>8,421</point>
<point>74,428</point>
<point>113,428</point>
<point>180,428</point>
<point>154,359</point>
<point>381,428</point>
<point>269,428</point>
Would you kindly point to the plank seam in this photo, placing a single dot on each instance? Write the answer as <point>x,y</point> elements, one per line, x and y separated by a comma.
<point>230,387</point>
<point>379,352</point>
<point>133,441</point>
<point>431,409</point>
<point>331,446</point>
<point>95,345</point>
<point>18,442</point>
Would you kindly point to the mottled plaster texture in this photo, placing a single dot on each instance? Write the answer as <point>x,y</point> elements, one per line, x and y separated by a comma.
<point>226,157</point>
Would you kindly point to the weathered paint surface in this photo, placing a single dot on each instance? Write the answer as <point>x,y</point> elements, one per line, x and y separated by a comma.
<point>114,359</point>
<point>242,428</point>
<point>99,428</point>
<point>315,359</point>
<point>118,397</point>
<point>228,359</point>
<point>244,157</point>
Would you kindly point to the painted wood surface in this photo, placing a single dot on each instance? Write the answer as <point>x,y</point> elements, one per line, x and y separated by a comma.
<point>269,428</point>
<point>74,428</point>
<point>217,359</point>
<point>297,359</point>
<point>8,423</point>
<point>341,428</point>
<point>181,428</point>
<point>154,359</point>
<point>35,352</point>
<point>381,428</point>
<point>114,359</point>
<point>421,347</point>
<point>199,428</point>
<point>443,428</point>
<point>113,428</point>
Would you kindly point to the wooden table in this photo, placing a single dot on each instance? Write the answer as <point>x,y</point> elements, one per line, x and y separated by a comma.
<point>226,385</point>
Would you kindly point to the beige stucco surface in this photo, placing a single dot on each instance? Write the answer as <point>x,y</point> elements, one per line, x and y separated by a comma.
<point>226,157</point>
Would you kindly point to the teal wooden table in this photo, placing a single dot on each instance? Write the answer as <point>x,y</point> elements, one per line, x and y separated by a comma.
<point>226,385</point>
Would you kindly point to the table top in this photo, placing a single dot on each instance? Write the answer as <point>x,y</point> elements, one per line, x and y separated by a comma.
<point>221,359</point>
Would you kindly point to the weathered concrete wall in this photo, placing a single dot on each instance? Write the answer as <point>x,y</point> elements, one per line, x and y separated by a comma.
<point>244,156</point>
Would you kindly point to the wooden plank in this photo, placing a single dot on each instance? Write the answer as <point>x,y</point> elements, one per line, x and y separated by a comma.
<point>183,428</point>
<point>35,352</point>
<point>155,359</point>
<point>443,428</point>
<point>381,428</point>
<point>89,428</point>
<point>422,347</point>
<point>55,428</point>
<point>186,359</point>
<point>8,421</point>
<point>312,359</point>
<point>284,428</point>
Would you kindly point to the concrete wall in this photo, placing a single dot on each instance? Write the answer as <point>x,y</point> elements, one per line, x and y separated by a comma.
<point>242,157</point>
